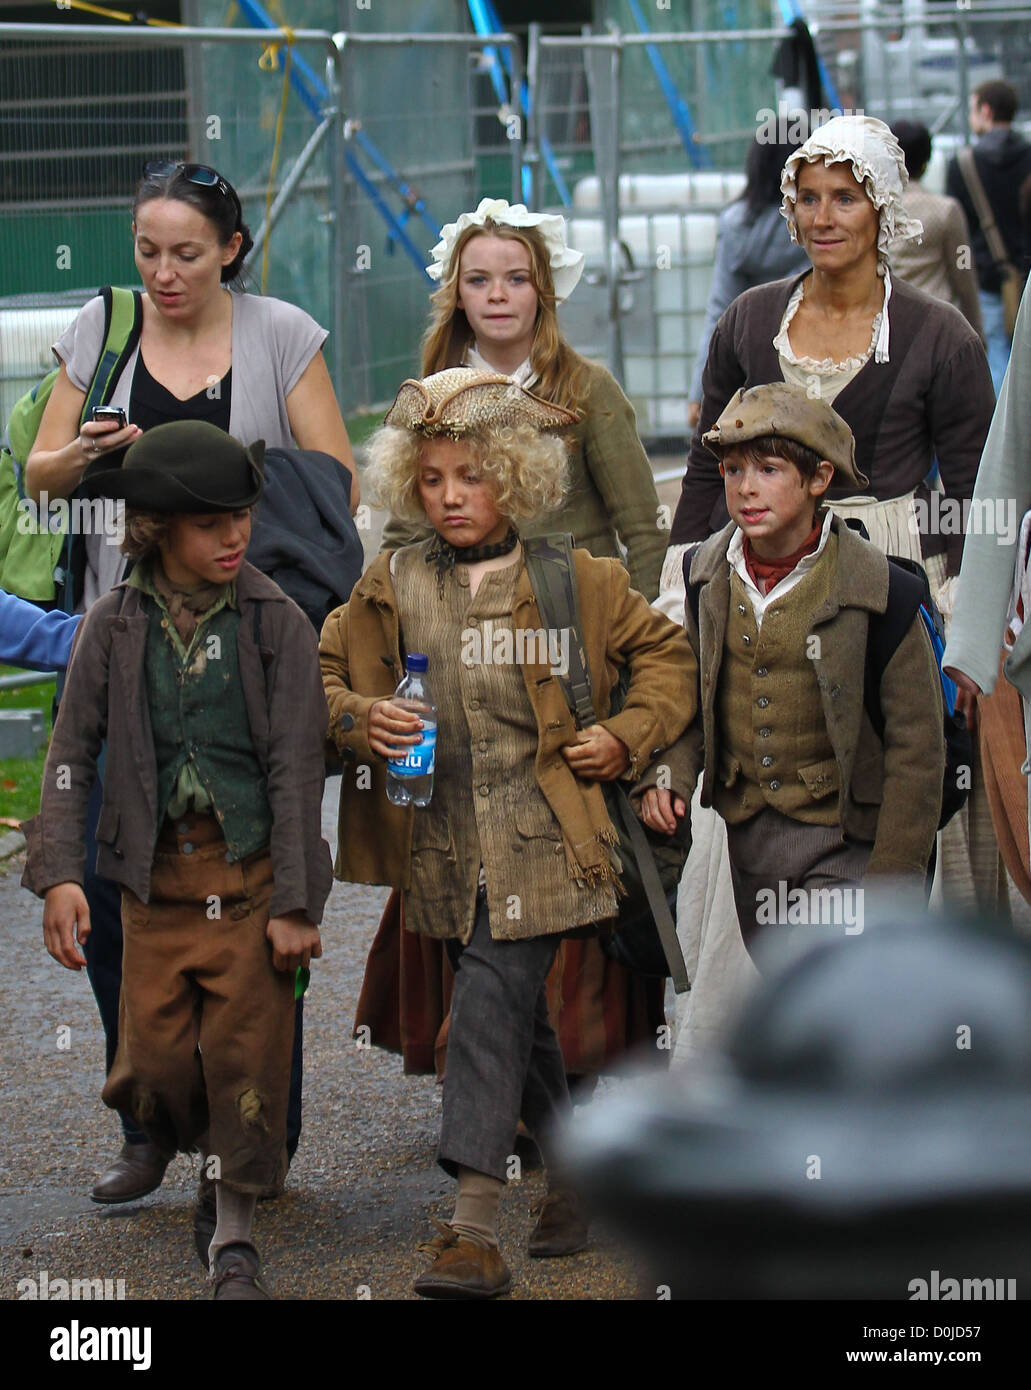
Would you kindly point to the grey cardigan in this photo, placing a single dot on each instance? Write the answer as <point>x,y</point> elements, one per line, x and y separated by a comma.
<point>273,342</point>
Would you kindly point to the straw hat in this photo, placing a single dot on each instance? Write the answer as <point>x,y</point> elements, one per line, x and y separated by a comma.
<point>459,400</point>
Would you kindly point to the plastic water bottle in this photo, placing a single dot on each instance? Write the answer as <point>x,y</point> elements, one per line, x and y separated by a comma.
<point>410,779</point>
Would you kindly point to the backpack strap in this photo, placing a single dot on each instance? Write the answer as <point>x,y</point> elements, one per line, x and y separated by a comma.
<point>884,633</point>
<point>123,321</point>
<point>967,166</point>
<point>692,591</point>
<point>549,562</point>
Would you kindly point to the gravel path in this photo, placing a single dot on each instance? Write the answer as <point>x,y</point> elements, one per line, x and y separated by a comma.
<point>362,1187</point>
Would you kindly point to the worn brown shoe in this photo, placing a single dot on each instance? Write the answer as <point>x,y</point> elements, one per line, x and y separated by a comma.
<point>138,1169</point>
<point>236,1274</point>
<point>462,1269</point>
<point>561,1226</point>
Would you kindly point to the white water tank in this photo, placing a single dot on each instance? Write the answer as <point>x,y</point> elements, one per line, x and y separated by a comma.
<point>25,356</point>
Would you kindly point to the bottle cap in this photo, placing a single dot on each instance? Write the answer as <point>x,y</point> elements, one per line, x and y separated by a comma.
<point>416,661</point>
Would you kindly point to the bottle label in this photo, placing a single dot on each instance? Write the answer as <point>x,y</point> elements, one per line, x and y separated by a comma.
<point>419,761</point>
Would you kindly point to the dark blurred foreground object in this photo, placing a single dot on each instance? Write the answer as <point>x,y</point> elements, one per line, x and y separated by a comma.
<point>868,1125</point>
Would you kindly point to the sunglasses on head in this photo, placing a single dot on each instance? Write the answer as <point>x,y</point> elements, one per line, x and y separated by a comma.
<point>200,174</point>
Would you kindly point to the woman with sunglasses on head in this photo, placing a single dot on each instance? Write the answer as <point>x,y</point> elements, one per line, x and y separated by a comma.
<point>250,365</point>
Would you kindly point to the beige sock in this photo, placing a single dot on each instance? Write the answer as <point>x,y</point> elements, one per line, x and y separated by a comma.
<point>234,1221</point>
<point>476,1207</point>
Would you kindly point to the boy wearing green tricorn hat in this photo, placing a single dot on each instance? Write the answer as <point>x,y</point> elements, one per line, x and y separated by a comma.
<point>201,678</point>
<point>779,607</point>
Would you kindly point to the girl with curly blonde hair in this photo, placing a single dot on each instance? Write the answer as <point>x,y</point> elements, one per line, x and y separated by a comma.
<point>514,848</point>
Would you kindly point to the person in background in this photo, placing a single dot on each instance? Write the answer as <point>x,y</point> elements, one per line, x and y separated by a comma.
<point>502,271</point>
<point>987,649</point>
<point>34,639</point>
<point>1003,161</point>
<point>940,262</point>
<point>753,244</point>
<point>250,365</point>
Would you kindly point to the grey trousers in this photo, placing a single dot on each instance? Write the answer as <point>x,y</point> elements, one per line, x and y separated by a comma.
<point>786,871</point>
<point>503,1059</point>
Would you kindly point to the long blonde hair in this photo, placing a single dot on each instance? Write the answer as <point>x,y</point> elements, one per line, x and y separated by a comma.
<point>560,371</point>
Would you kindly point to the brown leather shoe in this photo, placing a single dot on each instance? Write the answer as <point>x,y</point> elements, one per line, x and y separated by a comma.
<point>137,1170</point>
<point>561,1226</point>
<point>462,1269</point>
<point>236,1274</point>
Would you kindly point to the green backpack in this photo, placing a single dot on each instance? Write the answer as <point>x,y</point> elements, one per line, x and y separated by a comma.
<point>30,546</point>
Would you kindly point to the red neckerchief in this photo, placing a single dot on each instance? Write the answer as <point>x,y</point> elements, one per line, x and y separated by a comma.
<point>766,573</point>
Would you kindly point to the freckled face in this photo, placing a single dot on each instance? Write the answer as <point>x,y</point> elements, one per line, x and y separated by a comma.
<point>459,503</point>
<point>771,501</point>
<point>837,223</point>
<point>497,293</point>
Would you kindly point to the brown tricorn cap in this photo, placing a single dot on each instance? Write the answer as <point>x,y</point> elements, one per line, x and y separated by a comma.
<point>460,399</point>
<point>780,409</point>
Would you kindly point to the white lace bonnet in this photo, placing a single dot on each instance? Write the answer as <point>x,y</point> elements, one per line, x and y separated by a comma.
<point>877,161</point>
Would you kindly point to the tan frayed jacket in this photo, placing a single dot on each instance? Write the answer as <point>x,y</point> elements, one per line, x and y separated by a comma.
<point>361,661</point>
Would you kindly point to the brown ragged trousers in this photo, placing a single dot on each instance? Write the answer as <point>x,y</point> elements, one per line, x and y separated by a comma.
<point>206,1021</point>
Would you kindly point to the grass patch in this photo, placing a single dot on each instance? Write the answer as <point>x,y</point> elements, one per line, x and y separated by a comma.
<point>359,427</point>
<point>20,778</point>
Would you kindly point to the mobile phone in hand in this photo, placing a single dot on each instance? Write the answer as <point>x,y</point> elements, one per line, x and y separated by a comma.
<point>104,414</point>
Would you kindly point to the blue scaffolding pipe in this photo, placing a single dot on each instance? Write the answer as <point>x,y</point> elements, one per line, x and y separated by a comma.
<point>791,10</point>
<point>487,21</point>
<point>678,107</point>
<point>314,93</point>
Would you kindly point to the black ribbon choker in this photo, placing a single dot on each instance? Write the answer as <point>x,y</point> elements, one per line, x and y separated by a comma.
<point>445,556</point>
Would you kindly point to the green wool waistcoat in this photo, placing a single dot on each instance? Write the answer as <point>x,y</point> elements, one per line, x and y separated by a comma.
<point>198,715</point>
<point>775,748</point>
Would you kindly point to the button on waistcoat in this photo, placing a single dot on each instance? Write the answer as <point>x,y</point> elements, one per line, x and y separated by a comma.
<point>198,714</point>
<point>774,745</point>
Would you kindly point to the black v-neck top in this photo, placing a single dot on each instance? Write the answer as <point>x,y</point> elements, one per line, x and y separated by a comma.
<point>151,404</point>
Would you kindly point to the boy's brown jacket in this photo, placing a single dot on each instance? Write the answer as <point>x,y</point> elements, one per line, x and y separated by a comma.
<point>890,792</point>
<point>361,663</point>
<point>105,698</point>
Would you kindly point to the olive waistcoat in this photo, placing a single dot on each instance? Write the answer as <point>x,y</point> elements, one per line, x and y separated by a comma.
<point>198,715</point>
<point>774,746</point>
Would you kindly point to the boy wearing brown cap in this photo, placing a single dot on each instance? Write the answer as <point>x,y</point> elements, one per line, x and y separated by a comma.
<point>812,796</point>
<point>202,678</point>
